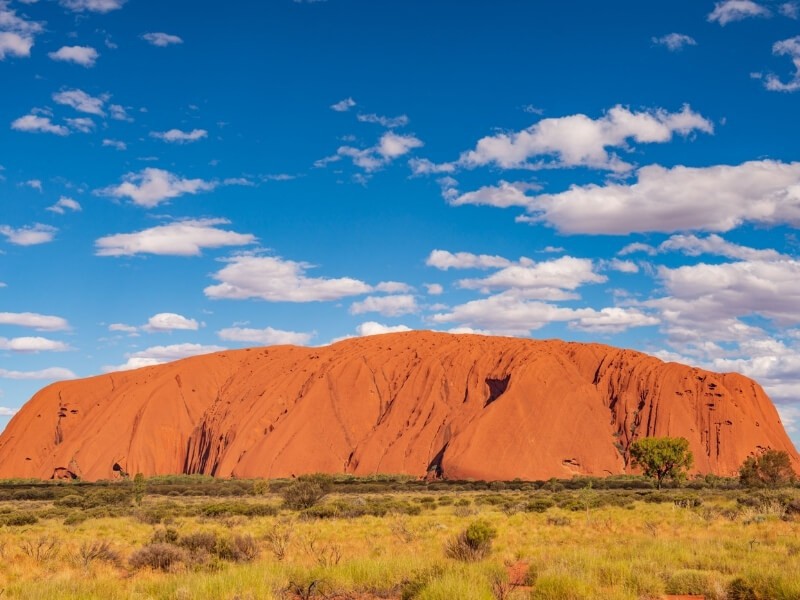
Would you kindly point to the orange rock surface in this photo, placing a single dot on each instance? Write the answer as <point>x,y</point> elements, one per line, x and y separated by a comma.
<point>459,406</point>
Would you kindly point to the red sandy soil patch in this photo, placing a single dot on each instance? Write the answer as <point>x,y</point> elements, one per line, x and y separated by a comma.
<point>518,574</point>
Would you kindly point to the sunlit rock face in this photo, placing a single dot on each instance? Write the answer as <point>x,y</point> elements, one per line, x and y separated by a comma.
<point>419,403</point>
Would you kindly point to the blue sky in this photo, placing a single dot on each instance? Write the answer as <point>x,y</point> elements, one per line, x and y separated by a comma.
<point>175,182</point>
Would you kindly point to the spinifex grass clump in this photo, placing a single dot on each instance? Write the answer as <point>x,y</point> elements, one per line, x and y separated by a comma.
<point>157,556</point>
<point>474,543</point>
<point>168,550</point>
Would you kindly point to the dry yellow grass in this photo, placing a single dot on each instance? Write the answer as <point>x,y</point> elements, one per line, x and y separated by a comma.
<point>636,552</point>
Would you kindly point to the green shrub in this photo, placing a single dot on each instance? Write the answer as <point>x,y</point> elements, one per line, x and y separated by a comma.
<point>232,508</point>
<point>656,497</point>
<point>70,501</point>
<point>165,535</point>
<point>690,582</point>
<point>772,468</point>
<point>34,493</point>
<point>474,543</point>
<point>199,541</point>
<point>302,494</point>
<point>621,500</point>
<point>322,511</point>
<point>202,545</point>
<point>764,585</point>
<point>411,588</point>
<point>162,557</point>
<point>561,587</point>
<point>239,548</point>
<point>20,519</point>
<point>539,505</point>
<point>740,589</point>
<point>688,501</point>
<point>108,497</point>
<point>151,516</point>
<point>75,518</point>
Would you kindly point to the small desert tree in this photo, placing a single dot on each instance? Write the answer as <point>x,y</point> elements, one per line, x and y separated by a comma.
<point>663,458</point>
<point>772,468</point>
<point>305,491</point>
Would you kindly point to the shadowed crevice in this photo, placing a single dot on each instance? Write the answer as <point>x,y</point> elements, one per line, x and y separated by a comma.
<point>497,388</point>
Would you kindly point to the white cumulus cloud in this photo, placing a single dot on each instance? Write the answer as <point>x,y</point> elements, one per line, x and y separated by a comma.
<point>64,204</point>
<point>508,313</point>
<point>150,187</point>
<point>170,322</point>
<point>623,266</point>
<point>374,328</point>
<point>180,238</point>
<point>388,122</point>
<point>278,280</point>
<point>675,41</point>
<point>770,289</point>
<point>176,136</point>
<point>729,11</point>
<point>389,147</point>
<point>82,124</point>
<point>543,280</point>
<point>578,140</point>
<point>503,195</point>
<point>14,44</point>
<point>32,344</point>
<point>265,337</point>
<point>161,39</point>
<point>444,260</point>
<point>393,287</point>
<point>434,289</point>
<point>29,236</point>
<point>17,33</point>
<point>790,48</point>
<point>123,328</point>
<point>343,105</point>
<point>713,244</point>
<point>790,10</point>
<point>38,124</point>
<point>156,355</point>
<point>119,113</point>
<point>389,306</point>
<point>81,101</point>
<point>716,198</point>
<point>34,321</point>
<point>51,373</point>
<point>86,56</point>
<point>116,144</point>
<point>98,6</point>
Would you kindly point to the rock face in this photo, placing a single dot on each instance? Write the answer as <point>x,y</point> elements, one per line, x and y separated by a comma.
<point>420,403</point>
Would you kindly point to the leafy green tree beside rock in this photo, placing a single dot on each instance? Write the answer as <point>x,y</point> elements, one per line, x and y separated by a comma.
<point>662,458</point>
<point>772,468</point>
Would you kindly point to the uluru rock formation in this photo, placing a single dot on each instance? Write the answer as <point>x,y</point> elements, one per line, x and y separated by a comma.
<point>420,403</point>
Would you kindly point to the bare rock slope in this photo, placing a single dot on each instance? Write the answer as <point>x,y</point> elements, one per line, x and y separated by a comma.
<point>421,403</point>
